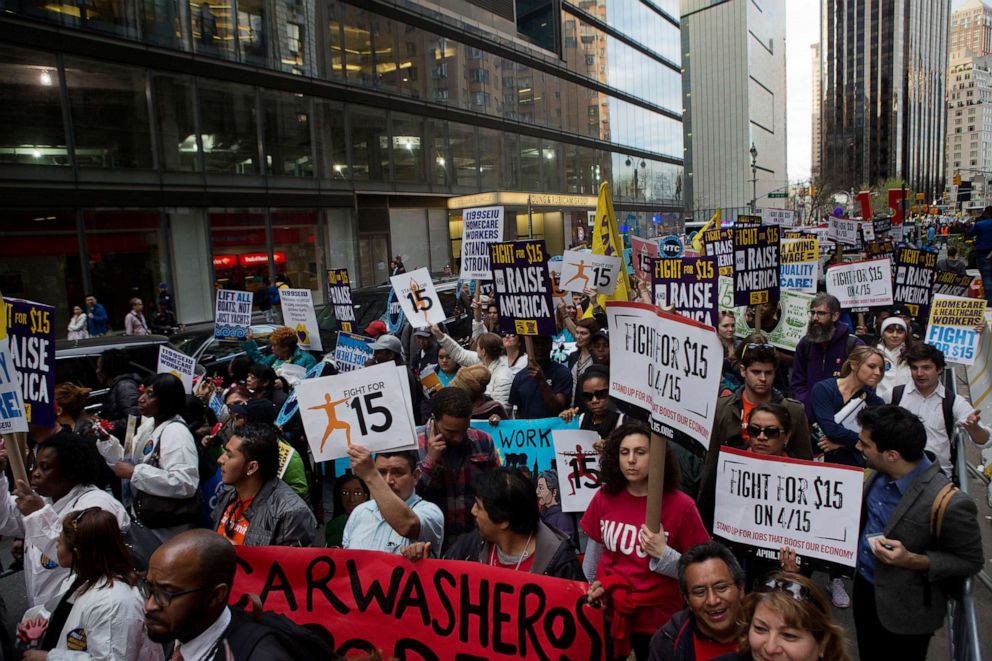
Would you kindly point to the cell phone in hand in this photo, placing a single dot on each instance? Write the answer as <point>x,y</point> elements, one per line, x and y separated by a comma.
<point>872,538</point>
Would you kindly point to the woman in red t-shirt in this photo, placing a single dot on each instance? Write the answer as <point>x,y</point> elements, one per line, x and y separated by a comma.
<point>625,561</point>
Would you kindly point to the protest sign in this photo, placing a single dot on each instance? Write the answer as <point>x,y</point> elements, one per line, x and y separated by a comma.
<point>792,311</point>
<point>952,327</point>
<point>867,231</point>
<point>417,296</point>
<point>897,233</point>
<point>914,279</point>
<point>643,251</point>
<point>671,247</point>
<point>352,351</point>
<point>525,443</point>
<point>366,406</point>
<point>31,336</point>
<point>298,314</point>
<point>881,226</point>
<point>748,220</point>
<point>431,610</point>
<point>862,284</point>
<point>771,502</point>
<point>689,285</point>
<point>291,406</point>
<point>666,364</point>
<point>800,264</point>
<point>756,265</point>
<point>780,217</point>
<point>339,294</point>
<point>177,364</point>
<point>880,248</point>
<point>232,315</point>
<point>586,270</point>
<point>719,243</point>
<point>480,228</point>
<point>952,284</point>
<point>520,277</point>
<point>13,417</point>
<point>577,462</point>
<point>843,231</point>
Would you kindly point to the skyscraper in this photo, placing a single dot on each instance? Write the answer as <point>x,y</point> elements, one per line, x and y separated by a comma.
<point>883,87</point>
<point>816,134</point>
<point>971,29</point>
<point>733,56</point>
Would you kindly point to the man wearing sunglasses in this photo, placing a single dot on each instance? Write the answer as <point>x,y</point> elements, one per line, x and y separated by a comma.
<point>758,364</point>
<point>712,585</point>
<point>918,539</point>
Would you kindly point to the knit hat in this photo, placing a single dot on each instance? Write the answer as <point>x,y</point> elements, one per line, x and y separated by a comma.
<point>894,320</point>
<point>473,379</point>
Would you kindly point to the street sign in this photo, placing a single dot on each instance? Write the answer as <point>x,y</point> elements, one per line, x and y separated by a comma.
<point>781,194</point>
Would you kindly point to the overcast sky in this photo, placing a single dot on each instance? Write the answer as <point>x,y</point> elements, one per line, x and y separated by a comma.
<point>803,30</point>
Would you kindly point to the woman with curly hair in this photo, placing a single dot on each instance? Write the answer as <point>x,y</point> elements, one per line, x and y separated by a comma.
<point>285,349</point>
<point>788,617</point>
<point>632,566</point>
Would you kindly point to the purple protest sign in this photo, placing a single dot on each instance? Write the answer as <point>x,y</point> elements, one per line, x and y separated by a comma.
<point>689,284</point>
<point>756,265</point>
<point>32,344</point>
<point>915,270</point>
<point>523,287</point>
<point>339,293</point>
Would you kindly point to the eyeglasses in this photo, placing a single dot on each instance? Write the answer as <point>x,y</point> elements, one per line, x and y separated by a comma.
<point>720,589</point>
<point>596,394</point>
<point>163,597</point>
<point>756,346</point>
<point>797,591</point>
<point>754,431</point>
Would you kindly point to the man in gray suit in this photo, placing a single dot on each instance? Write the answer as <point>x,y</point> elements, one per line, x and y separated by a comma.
<point>913,550</point>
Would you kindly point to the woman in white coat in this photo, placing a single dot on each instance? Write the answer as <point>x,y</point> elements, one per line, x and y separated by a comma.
<point>101,616</point>
<point>77,325</point>
<point>895,340</point>
<point>488,352</point>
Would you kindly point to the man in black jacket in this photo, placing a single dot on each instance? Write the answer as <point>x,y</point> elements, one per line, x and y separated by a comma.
<point>712,585</point>
<point>509,532</point>
<point>114,369</point>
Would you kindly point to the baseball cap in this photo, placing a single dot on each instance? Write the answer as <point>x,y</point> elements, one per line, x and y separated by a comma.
<point>389,343</point>
<point>600,335</point>
<point>257,410</point>
<point>422,332</point>
<point>376,328</point>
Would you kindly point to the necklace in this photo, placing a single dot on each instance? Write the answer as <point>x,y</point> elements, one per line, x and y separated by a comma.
<point>523,555</point>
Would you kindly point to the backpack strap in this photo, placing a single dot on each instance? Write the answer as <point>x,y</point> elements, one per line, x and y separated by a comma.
<point>897,394</point>
<point>939,507</point>
<point>947,408</point>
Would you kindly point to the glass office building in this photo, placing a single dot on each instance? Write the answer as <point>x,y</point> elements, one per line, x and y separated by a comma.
<point>190,142</point>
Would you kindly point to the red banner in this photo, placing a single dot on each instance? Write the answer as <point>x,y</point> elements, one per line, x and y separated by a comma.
<point>425,611</point>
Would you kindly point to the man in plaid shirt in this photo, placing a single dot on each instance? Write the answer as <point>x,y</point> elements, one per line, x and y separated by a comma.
<point>453,458</point>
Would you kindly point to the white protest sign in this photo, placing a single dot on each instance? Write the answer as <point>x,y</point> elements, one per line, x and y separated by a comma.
<point>232,315</point>
<point>480,227</point>
<point>952,326</point>
<point>578,467</point>
<point>861,284</point>
<point>843,231</point>
<point>666,364</point>
<point>418,298</point>
<point>584,270</point>
<point>298,314</point>
<point>800,264</point>
<point>366,406</point>
<point>352,351</point>
<point>781,217</point>
<point>13,417</point>
<point>771,502</point>
<point>868,230</point>
<point>177,364</point>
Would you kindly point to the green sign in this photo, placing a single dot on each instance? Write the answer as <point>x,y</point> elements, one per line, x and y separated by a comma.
<point>781,194</point>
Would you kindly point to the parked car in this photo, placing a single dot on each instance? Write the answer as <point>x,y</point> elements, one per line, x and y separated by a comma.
<point>198,341</point>
<point>75,360</point>
<point>371,304</point>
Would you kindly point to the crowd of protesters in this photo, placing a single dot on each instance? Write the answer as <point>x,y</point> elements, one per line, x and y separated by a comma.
<point>121,561</point>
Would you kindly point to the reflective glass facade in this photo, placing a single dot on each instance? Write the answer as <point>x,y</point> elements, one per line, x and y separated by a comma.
<point>326,104</point>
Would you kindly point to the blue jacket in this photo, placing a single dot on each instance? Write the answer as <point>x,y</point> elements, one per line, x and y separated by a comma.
<point>97,324</point>
<point>814,362</point>
<point>826,401</point>
<point>982,231</point>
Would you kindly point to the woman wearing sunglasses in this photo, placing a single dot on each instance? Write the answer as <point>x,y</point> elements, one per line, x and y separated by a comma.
<point>632,567</point>
<point>789,618</point>
<point>101,615</point>
<point>594,410</point>
<point>768,430</point>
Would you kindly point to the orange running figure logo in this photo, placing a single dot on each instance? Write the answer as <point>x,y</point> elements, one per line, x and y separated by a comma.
<point>419,304</point>
<point>580,274</point>
<point>332,419</point>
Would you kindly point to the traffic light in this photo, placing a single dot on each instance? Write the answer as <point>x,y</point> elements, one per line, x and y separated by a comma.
<point>957,180</point>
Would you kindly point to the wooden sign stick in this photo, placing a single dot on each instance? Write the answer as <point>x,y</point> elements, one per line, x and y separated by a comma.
<point>656,480</point>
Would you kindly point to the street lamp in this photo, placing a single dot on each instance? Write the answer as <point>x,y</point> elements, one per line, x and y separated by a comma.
<point>754,178</point>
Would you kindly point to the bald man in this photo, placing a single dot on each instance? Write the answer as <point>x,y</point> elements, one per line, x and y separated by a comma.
<point>186,593</point>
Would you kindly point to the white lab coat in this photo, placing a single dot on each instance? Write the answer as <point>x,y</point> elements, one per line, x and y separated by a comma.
<point>42,574</point>
<point>105,623</point>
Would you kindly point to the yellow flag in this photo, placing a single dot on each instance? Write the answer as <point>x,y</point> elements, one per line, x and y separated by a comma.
<point>697,241</point>
<point>606,241</point>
